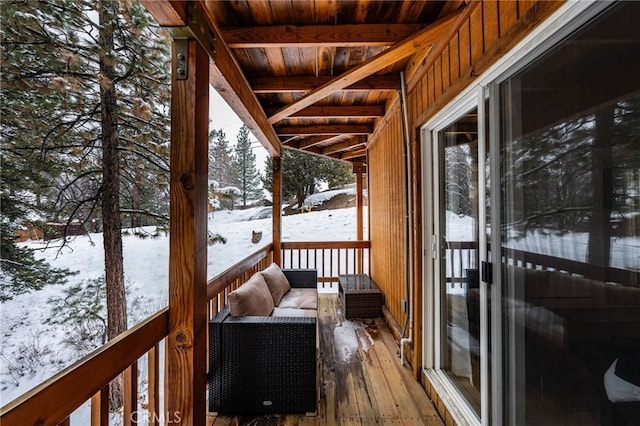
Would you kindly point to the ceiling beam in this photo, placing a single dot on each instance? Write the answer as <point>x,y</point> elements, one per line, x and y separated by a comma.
<point>421,40</point>
<point>338,111</point>
<point>225,75</point>
<point>302,142</point>
<point>307,84</point>
<point>347,145</point>
<point>353,35</point>
<point>168,13</point>
<point>326,129</point>
<point>354,154</point>
<point>450,6</point>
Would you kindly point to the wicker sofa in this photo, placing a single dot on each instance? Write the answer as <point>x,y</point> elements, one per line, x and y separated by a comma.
<point>266,363</point>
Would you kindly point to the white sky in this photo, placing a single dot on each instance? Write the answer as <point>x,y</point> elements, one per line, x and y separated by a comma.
<point>223,117</point>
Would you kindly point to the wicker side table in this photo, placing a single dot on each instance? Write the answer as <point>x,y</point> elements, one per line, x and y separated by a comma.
<point>361,297</point>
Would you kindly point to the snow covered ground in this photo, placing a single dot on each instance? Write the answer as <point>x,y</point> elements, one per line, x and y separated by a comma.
<point>31,350</point>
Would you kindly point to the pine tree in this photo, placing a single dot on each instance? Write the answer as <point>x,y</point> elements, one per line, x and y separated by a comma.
<point>302,172</point>
<point>220,167</point>
<point>245,165</point>
<point>85,104</point>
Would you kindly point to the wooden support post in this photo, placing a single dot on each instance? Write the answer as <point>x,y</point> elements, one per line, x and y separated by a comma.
<point>276,164</point>
<point>359,170</point>
<point>187,339</point>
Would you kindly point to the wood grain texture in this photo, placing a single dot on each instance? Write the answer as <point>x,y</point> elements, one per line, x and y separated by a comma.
<point>276,165</point>
<point>398,51</point>
<point>339,111</point>
<point>130,412</point>
<point>354,35</point>
<point>169,13</point>
<point>308,83</point>
<point>186,343</point>
<point>386,199</point>
<point>327,129</point>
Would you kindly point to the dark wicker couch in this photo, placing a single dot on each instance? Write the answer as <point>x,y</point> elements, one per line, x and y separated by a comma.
<point>264,365</point>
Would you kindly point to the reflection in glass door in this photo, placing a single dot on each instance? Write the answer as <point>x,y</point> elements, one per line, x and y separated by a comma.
<point>457,227</point>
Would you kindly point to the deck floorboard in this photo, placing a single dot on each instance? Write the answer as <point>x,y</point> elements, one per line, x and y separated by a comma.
<point>361,381</point>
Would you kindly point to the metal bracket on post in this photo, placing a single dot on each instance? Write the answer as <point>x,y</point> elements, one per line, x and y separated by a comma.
<point>359,168</point>
<point>181,60</point>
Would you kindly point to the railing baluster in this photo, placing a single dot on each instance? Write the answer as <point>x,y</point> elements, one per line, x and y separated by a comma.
<point>131,395</point>
<point>153,391</point>
<point>100,407</point>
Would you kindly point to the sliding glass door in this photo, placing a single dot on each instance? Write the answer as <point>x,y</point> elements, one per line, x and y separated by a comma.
<point>457,163</point>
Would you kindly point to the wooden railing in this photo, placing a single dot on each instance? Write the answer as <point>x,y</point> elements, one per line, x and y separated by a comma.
<point>330,258</point>
<point>53,401</point>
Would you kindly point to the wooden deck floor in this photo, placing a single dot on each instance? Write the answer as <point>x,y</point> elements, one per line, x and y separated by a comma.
<point>361,379</point>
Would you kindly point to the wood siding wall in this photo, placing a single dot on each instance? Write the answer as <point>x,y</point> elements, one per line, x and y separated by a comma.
<point>480,36</point>
<point>387,211</point>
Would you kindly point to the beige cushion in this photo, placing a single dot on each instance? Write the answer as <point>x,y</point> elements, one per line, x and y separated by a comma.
<point>277,282</point>
<point>300,298</point>
<point>252,298</point>
<point>292,312</point>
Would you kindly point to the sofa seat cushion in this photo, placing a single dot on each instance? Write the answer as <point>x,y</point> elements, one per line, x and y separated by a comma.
<point>252,298</point>
<point>294,312</point>
<point>276,281</point>
<point>302,298</point>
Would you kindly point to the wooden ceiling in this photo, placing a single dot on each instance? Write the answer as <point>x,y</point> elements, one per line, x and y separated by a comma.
<point>310,75</point>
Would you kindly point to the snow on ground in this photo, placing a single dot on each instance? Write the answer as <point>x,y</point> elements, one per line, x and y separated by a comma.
<point>32,351</point>
<point>320,197</point>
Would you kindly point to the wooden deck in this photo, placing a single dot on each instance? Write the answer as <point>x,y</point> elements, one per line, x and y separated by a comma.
<point>361,379</point>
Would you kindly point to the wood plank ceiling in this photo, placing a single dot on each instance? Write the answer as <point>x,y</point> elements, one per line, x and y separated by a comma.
<point>322,71</point>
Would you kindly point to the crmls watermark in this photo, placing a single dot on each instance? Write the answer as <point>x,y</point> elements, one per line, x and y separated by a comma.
<point>145,417</point>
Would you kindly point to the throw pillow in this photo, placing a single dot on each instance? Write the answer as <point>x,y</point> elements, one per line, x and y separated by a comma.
<point>277,282</point>
<point>251,299</point>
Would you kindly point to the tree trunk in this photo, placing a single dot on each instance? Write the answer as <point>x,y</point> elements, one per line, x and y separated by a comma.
<point>114,270</point>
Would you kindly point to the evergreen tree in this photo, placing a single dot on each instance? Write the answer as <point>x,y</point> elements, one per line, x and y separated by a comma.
<point>85,104</point>
<point>302,172</point>
<point>245,165</point>
<point>220,166</point>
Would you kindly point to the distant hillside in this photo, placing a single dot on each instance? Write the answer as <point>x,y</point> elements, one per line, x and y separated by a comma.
<point>327,200</point>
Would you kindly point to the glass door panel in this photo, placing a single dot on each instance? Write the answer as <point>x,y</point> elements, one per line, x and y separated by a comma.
<point>458,230</point>
<point>570,173</point>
